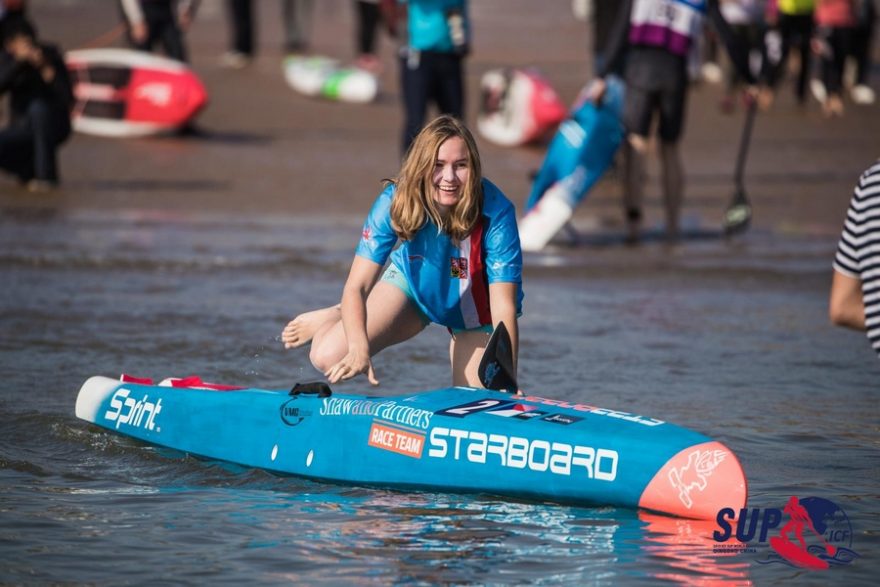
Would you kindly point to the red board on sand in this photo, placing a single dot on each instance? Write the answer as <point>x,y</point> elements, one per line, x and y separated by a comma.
<point>518,106</point>
<point>125,93</point>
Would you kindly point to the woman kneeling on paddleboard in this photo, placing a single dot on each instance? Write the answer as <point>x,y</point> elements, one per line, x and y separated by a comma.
<point>459,265</point>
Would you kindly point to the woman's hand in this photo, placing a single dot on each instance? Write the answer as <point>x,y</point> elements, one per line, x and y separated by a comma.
<point>355,362</point>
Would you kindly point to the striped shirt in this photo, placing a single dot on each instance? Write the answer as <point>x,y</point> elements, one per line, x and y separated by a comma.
<point>858,252</point>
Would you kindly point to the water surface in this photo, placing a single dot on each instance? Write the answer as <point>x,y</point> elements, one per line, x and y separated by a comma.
<point>728,338</point>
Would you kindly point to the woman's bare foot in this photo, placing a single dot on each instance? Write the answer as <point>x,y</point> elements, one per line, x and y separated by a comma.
<point>301,329</point>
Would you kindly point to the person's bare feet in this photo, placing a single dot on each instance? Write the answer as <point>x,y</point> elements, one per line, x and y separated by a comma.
<point>301,329</point>
<point>833,106</point>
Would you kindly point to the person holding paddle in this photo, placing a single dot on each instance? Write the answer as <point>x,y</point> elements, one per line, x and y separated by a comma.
<point>650,44</point>
<point>459,264</point>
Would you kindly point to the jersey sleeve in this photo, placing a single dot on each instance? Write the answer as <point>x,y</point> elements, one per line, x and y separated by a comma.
<point>377,237</point>
<point>503,251</point>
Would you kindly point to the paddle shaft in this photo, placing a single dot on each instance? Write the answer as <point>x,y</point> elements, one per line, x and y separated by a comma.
<point>745,140</point>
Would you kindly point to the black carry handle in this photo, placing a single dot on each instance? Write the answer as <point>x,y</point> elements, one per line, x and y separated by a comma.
<point>318,388</point>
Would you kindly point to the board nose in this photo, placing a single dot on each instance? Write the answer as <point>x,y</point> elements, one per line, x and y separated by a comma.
<point>698,482</point>
<point>196,95</point>
<point>92,394</point>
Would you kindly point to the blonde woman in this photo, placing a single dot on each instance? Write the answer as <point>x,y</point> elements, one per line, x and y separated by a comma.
<point>459,264</point>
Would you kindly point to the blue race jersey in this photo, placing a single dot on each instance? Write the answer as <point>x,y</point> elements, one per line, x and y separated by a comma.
<point>428,24</point>
<point>449,280</point>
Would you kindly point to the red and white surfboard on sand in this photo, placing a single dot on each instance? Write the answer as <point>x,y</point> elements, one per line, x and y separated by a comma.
<point>125,93</point>
<point>518,106</point>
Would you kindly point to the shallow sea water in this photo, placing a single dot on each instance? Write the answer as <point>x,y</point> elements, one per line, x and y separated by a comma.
<point>728,338</point>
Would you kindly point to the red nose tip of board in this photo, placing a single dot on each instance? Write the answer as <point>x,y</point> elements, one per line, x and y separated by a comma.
<point>697,483</point>
<point>196,96</point>
<point>165,97</point>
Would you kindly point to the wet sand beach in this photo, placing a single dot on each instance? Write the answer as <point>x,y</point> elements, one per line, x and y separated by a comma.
<point>186,255</point>
<point>269,150</point>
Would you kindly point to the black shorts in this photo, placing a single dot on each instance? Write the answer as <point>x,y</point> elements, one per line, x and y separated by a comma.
<point>656,81</point>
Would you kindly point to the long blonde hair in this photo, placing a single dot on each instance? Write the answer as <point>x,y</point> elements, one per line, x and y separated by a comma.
<point>413,203</point>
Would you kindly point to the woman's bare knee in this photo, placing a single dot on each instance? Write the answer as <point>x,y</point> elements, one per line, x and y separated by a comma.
<point>325,355</point>
<point>328,347</point>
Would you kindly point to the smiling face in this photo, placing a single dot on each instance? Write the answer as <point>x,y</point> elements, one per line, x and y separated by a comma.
<point>439,182</point>
<point>451,173</point>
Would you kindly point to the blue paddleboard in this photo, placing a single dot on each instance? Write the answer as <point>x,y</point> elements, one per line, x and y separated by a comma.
<point>453,439</point>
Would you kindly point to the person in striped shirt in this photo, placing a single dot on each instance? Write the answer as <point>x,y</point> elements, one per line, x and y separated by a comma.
<point>458,264</point>
<point>855,288</point>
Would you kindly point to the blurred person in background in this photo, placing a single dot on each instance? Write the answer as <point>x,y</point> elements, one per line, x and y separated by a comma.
<point>654,39</point>
<point>295,14</point>
<point>152,22</point>
<point>242,37</point>
<point>602,14</point>
<point>791,24</point>
<point>435,39</point>
<point>835,27</point>
<point>35,76</point>
<point>10,10</point>
<point>863,37</point>
<point>368,17</point>
<point>854,301</point>
<point>746,20</point>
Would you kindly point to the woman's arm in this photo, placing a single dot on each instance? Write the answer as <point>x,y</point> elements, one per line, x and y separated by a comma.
<point>845,305</point>
<point>361,279</point>
<point>502,303</point>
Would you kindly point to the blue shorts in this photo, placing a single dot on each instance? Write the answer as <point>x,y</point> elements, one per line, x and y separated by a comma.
<point>395,277</point>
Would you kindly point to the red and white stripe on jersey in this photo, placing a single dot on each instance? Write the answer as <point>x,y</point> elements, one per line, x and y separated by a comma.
<point>475,289</point>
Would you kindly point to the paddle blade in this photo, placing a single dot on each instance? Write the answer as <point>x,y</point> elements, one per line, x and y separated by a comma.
<point>496,366</point>
<point>738,215</point>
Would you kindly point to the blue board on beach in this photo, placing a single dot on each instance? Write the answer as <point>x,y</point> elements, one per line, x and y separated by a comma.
<point>453,439</point>
<point>580,153</point>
